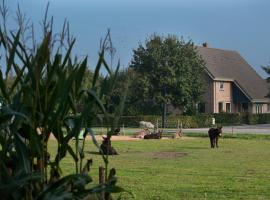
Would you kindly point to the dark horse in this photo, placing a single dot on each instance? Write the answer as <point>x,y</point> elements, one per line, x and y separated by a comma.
<point>213,134</point>
<point>106,147</point>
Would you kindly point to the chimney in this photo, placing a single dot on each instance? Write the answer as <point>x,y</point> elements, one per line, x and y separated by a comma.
<point>205,44</point>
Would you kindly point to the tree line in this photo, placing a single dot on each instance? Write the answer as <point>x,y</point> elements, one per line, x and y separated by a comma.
<point>164,71</point>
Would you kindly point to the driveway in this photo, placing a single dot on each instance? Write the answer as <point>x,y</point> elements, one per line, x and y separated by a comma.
<point>248,129</point>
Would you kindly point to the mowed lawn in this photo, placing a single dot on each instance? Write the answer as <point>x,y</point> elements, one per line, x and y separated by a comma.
<point>187,168</point>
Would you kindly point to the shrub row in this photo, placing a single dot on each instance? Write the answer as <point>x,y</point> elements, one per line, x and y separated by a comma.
<point>196,121</point>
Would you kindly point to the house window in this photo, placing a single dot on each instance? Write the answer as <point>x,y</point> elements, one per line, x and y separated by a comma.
<point>258,108</point>
<point>220,107</point>
<point>221,86</point>
<point>228,107</point>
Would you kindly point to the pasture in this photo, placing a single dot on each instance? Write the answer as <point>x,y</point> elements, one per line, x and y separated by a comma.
<point>187,168</point>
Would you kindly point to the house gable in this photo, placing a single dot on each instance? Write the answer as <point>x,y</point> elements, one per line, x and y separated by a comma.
<point>224,64</point>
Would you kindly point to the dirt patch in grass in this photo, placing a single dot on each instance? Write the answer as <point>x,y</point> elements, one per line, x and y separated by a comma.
<point>166,154</point>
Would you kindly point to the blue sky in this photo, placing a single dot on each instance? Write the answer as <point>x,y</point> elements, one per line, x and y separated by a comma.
<point>240,25</point>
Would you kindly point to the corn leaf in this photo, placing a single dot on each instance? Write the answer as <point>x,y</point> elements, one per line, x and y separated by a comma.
<point>3,87</point>
<point>97,69</point>
<point>12,52</point>
<point>23,153</point>
<point>67,56</point>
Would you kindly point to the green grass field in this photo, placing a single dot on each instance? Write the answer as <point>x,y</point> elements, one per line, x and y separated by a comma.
<point>188,168</point>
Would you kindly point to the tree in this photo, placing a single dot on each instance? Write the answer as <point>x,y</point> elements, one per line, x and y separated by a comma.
<point>39,100</point>
<point>170,70</point>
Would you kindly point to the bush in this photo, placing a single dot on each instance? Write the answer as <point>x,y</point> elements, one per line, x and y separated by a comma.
<point>195,121</point>
<point>264,118</point>
<point>228,118</point>
<point>257,118</point>
<point>203,120</point>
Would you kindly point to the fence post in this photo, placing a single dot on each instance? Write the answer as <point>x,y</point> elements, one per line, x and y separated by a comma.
<point>157,125</point>
<point>213,121</point>
<point>123,129</point>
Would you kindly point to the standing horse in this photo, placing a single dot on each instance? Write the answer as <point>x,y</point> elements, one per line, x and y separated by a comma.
<point>213,134</point>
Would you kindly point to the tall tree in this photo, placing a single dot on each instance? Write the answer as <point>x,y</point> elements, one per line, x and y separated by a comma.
<point>171,70</point>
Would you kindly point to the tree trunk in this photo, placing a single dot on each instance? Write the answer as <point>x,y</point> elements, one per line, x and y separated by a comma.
<point>164,112</point>
<point>164,107</point>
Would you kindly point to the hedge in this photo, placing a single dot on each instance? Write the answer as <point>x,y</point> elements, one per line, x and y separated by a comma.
<point>196,121</point>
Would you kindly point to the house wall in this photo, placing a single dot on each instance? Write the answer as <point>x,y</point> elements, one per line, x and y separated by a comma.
<point>214,94</point>
<point>223,95</point>
<point>264,108</point>
<point>208,96</point>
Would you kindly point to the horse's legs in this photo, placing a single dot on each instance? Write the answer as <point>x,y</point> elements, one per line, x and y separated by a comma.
<point>212,142</point>
<point>217,142</point>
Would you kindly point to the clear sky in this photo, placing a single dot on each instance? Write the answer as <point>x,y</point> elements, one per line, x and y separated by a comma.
<point>240,25</point>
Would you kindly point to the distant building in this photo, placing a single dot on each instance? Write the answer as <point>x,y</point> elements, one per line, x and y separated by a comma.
<point>231,84</point>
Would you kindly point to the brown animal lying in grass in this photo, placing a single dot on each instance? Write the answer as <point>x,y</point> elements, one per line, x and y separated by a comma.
<point>213,134</point>
<point>116,131</point>
<point>106,147</point>
<point>177,135</point>
<point>157,135</point>
<point>141,134</point>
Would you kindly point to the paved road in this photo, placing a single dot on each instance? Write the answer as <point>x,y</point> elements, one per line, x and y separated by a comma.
<point>255,129</point>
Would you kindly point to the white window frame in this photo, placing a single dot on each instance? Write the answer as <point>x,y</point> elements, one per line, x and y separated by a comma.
<point>258,108</point>
<point>221,86</point>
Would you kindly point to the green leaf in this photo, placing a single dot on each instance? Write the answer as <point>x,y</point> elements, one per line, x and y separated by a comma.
<point>72,153</point>
<point>23,153</point>
<point>65,187</point>
<point>97,69</point>
<point>3,87</point>
<point>90,131</point>
<point>67,56</point>
<point>18,79</point>
<point>21,180</point>
<point>106,65</point>
<point>80,73</point>
<point>2,38</point>
<point>98,101</point>
<point>9,112</point>
<point>12,51</point>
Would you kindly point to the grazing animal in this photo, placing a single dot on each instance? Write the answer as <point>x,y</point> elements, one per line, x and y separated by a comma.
<point>146,125</point>
<point>157,135</point>
<point>213,134</point>
<point>106,147</point>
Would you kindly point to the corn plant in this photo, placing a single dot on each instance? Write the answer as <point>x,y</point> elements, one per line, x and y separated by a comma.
<point>40,101</point>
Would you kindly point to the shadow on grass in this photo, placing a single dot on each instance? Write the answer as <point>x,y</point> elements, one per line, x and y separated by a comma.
<point>193,147</point>
<point>92,152</point>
